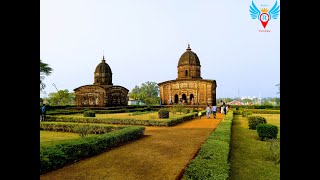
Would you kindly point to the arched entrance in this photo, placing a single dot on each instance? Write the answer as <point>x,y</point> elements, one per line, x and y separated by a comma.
<point>191,99</point>
<point>176,99</point>
<point>184,98</point>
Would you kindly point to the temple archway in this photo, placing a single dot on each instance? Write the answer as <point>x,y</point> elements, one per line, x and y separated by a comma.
<point>176,99</point>
<point>191,99</point>
<point>184,98</point>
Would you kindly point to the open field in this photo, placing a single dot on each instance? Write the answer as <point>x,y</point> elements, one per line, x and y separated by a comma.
<point>251,158</point>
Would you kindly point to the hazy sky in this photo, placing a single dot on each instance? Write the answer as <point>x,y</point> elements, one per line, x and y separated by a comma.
<point>142,41</point>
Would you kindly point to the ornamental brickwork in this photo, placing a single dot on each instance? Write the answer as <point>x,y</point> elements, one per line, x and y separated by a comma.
<point>189,88</point>
<point>102,93</point>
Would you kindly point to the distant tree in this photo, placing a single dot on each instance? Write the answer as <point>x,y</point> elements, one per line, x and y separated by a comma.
<point>247,100</point>
<point>227,100</point>
<point>148,93</point>
<point>135,93</point>
<point>61,98</point>
<point>277,100</point>
<point>45,70</point>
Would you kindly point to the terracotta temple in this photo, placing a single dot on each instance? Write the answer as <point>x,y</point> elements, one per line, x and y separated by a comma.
<point>102,93</point>
<point>189,88</point>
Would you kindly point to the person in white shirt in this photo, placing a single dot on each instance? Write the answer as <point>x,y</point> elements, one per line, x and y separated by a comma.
<point>208,111</point>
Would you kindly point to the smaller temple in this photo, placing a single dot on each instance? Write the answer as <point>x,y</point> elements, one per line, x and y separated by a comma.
<point>102,93</point>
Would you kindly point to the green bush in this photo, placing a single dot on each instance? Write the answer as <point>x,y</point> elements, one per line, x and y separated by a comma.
<point>83,130</point>
<point>195,110</point>
<point>237,112</point>
<point>267,131</point>
<point>140,113</point>
<point>253,121</point>
<point>246,113</point>
<point>163,113</point>
<point>274,146</point>
<point>177,108</point>
<point>186,111</point>
<point>89,114</point>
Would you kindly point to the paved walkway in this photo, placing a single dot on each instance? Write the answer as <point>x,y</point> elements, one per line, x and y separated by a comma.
<point>162,153</point>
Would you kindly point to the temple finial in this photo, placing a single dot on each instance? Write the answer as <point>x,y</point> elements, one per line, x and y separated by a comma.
<point>103,56</point>
<point>188,46</point>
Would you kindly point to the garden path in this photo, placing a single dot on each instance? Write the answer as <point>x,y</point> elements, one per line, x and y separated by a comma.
<point>162,153</point>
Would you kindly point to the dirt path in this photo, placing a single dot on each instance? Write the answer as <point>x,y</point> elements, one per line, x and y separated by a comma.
<point>161,154</point>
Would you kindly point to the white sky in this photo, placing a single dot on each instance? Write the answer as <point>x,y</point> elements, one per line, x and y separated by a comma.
<point>142,41</point>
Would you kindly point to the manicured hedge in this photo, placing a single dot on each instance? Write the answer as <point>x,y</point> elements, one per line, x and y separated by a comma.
<point>255,107</point>
<point>89,113</point>
<point>72,127</point>
<point>75,111</point>
<point>59,155</point>
<point>212,159</point>
<point>262,111</point>
<point>163,122</point>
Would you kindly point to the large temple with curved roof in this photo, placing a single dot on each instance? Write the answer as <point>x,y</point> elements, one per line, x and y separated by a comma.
<point>189,88</point>
<point>102,93</point>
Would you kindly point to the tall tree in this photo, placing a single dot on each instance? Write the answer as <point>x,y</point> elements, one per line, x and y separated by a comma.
<point>61,98</point>
<point>148,93</point>
<point>45,70</point>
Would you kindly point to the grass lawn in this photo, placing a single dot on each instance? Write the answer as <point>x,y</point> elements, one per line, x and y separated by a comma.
<point>48,138</point>
<point>251,158</point>
<point>147,116</point>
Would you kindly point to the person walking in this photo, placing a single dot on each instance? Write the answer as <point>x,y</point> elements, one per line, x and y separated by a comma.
<point>43,112</point>
<point>225,109</point>
<point>214,111</point>
<point>208,111</point>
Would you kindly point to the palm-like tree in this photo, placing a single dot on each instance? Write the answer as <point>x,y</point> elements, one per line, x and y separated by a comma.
<point>45,70</point>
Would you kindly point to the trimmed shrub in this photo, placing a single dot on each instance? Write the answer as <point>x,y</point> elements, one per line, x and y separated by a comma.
<point>263,111</point>
<point>186,111</point>
<point>171,121</point>
<point>163,113</point>
<point>195,110</point>
<point>89,113</point>
<point>83,130</point>
<point>253,121</point>
<point>237,112</point>
<point>246,113</point>
<point>267,131</point>
<point>274,146</point>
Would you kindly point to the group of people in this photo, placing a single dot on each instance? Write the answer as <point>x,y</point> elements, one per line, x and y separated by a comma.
<point>213,109</point>
<point>210,109</point>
